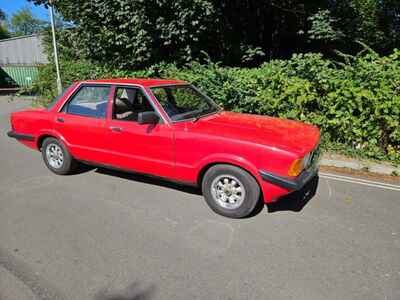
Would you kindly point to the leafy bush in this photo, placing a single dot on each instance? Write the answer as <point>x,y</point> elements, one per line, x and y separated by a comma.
<point>355,103</point>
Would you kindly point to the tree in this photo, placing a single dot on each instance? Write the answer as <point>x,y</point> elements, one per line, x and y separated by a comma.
<point>128,33</point>
<point>3,26</point>
<point>139,33</point>
<point>373,22</point>
<point>2,15</point>
<point>323,27</point>
<point>24,22</point>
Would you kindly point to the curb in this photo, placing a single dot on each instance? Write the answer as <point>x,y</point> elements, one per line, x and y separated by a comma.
<point>359,165</point>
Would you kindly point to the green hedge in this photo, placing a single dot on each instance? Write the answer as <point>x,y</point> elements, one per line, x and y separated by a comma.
<point>356,104</point>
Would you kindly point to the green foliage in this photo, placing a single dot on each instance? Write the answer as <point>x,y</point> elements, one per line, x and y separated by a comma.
<point>140,33</point>
<point>252,55</point>
<point>322,27</point>
<point>3,26</point>
<point>367,19</point>
<point>374,22</point>
<point>4,32</point>
<point>128,34</point>
<point>2,15</point>
<point>356,104</point>
<point>24,22</point>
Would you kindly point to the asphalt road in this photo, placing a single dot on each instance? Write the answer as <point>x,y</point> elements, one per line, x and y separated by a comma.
<point>110,236</point>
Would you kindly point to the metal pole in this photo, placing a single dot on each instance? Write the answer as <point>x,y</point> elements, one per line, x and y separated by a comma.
<point>53,29</point>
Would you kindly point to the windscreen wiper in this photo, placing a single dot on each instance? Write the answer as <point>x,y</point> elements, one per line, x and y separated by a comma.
<point>200,114</point>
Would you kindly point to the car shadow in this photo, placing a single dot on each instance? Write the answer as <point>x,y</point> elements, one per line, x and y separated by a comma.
<point>150,180</point>
<point>132,292</point>
<point>297,200</point>
<point>294,201</point>
<point>82,168</point>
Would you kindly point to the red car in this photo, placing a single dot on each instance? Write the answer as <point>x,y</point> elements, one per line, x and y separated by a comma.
<point>170,129</point>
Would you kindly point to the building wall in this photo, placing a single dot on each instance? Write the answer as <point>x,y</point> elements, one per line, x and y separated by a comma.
<point>19,60</point>
<point>25,50</point>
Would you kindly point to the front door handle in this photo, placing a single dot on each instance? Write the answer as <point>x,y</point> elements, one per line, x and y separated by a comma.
<point>116,129</point>
<point>61,120</point>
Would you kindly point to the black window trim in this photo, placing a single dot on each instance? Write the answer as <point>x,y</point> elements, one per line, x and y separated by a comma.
<point>73,94</point>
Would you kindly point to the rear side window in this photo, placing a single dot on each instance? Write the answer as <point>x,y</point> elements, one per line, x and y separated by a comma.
<point>89,101</point>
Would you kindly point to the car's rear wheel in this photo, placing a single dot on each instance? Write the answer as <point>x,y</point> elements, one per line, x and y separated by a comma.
<point>57,158</point>
<point>230,191</point>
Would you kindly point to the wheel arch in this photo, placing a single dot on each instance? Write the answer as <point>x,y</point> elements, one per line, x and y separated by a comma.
<point>41,139</point>
<point>49,134</point>
<point>248,169</point>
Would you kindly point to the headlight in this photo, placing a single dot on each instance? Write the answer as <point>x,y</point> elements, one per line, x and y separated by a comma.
<point>296,167</point>
<point>305,162</point>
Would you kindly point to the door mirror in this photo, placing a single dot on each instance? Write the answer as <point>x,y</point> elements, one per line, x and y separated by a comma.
<point>148,117</point>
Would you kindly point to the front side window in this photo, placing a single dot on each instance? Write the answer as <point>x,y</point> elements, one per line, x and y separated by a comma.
<point>128,103</point>
<point>89,101</point>
<point>183,102</point>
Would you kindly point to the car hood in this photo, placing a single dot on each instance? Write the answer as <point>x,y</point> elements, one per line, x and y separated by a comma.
<point>288,135</point>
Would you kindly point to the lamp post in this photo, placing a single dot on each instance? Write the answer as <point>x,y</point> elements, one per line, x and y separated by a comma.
<point>53,30</point>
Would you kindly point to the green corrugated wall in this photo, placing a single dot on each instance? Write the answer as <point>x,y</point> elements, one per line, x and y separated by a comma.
<point>22,75</point>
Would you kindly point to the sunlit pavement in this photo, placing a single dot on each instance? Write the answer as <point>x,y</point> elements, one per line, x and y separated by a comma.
<point>106,235</point>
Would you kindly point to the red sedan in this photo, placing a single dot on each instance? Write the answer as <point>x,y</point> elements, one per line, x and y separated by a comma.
<point>170,129</point>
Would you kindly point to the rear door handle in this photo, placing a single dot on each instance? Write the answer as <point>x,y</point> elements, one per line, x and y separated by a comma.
<point>61,120</point>
<point>116,129</point>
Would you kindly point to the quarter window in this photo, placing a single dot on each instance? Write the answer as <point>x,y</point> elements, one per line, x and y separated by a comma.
<point>90,101</point>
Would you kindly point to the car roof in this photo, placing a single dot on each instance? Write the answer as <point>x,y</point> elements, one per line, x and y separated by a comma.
<point>139,81</point>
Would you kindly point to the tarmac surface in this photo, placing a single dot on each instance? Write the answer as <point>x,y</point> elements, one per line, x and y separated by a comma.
<point>106,235</point>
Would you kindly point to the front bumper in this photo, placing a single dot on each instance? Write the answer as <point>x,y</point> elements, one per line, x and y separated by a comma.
<point>290,183</point>
<point>19,136</point>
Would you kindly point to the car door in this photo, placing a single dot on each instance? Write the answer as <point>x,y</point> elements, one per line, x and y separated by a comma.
<point>146,148</point>
<point>82,122</point>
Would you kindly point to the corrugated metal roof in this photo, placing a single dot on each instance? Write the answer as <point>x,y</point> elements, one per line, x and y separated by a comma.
<point>24,50</point>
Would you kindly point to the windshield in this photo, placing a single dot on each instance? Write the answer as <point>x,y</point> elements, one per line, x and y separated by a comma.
<point>183,102</point>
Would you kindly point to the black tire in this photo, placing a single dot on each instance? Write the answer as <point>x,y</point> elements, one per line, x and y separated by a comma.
<point>249,199</point>
<point>68,165</point>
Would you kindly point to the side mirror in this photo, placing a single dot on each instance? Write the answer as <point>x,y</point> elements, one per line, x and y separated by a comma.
<point>148,117</point>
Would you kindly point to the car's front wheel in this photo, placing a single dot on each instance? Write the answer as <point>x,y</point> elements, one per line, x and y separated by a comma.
<point>230,191</point>
<point>57,158</point>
